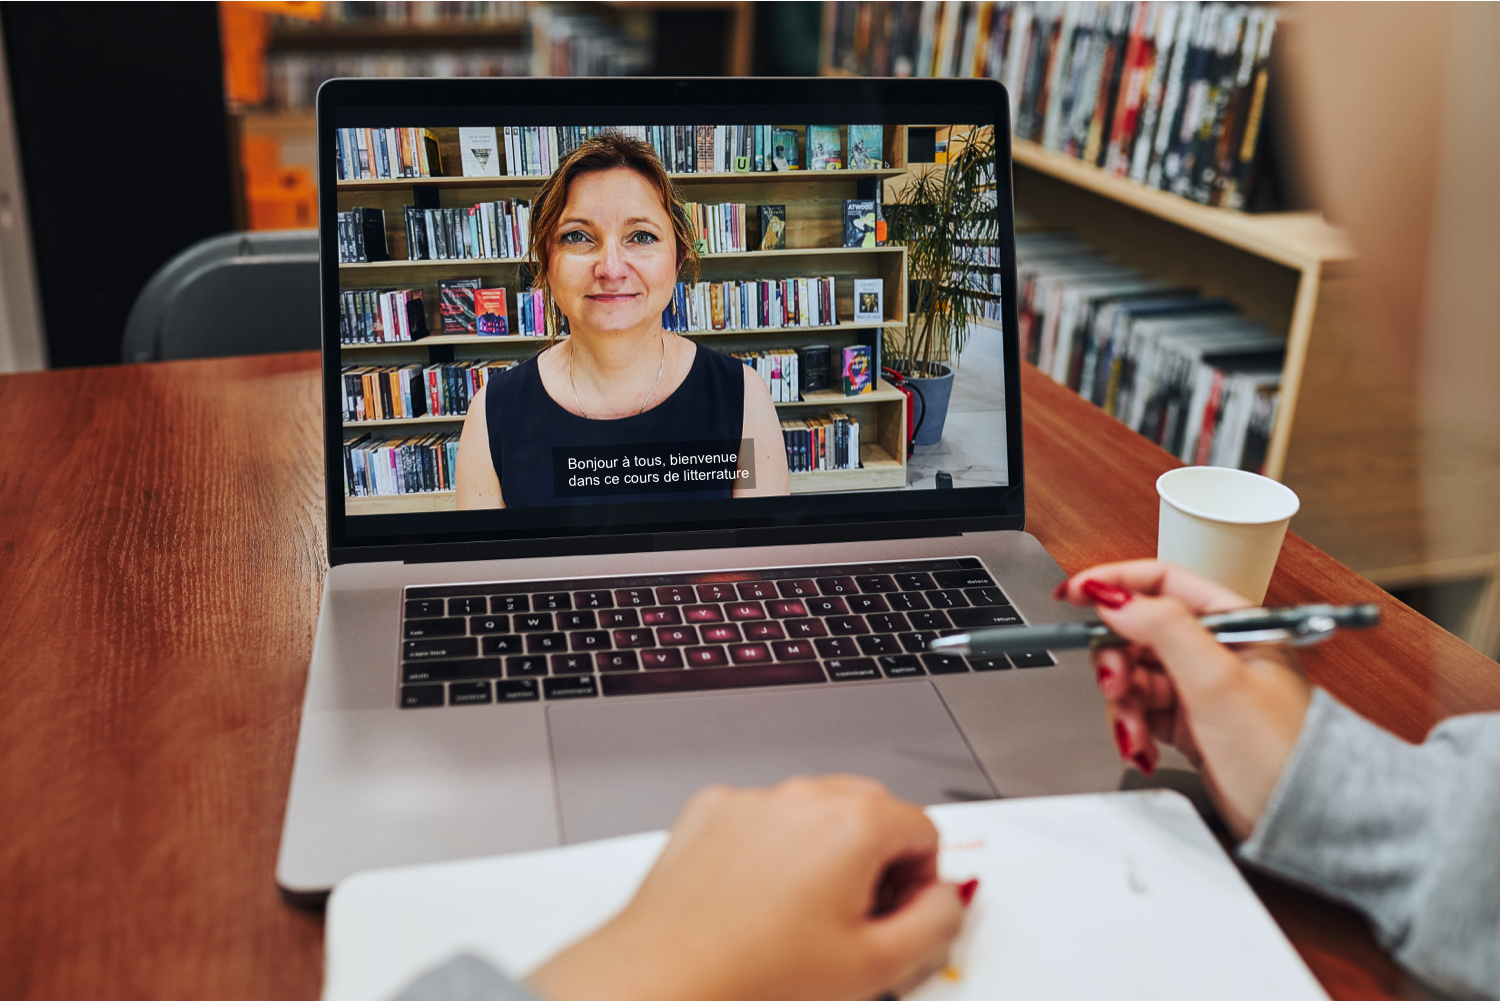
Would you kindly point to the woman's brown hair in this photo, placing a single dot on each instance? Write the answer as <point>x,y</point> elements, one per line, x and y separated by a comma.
<point>609,150</point>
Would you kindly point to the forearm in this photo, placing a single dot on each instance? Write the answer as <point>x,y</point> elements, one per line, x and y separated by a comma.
<point>1408,834</point>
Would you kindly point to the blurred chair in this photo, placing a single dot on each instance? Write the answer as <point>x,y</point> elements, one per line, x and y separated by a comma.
<point>235,294</point>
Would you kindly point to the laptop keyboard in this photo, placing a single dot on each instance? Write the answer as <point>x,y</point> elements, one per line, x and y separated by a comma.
<point>487,643</point>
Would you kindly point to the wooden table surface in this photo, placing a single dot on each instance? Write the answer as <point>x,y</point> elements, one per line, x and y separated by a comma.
<point>161,559</point>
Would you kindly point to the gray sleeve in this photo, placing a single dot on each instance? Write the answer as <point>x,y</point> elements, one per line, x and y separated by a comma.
<point>1410,835</point>
<point>464,978</point>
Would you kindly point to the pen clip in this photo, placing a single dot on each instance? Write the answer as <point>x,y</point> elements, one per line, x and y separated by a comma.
<point>1313,629</point>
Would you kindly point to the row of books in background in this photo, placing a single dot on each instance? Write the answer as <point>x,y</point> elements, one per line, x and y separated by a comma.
<point>823,443</point>
<point>415,464</point>
<point>1186,371</point>
<point>792,373</point>
<point>407,392</point>
<point>414,13</point>
<point>751,305</point>
<point>465,308</point>
<point>387,153</point>
<point>1171,95</point>
<point>487,230</point>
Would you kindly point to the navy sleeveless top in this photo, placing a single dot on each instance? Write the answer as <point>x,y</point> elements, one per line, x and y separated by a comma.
<point>526,426</point>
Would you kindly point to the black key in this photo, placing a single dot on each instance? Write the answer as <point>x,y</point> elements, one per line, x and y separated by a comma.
<point>546,642</point>
<point>963,578</point>
<point>793,650</point>
<point>593,599</point>
<point>552,602</point>
<point>661,660</point>
<point>858,669</point>
<point>422,629</point>
<point>623,661</point>
<point>928,620</point>
<point>535,622</point>
<point>421,696</point>
<point>481,624</point>
<point>995,615</point>
<point>469,693</point>
<point>764,631</point>
<point>805,628</point>
<point>877,645</point>
<point>510,603</point>
<point>676,636</point>
<point>894,622</point>
<point>572,663</point>
<point>846,625</point>
<point>598,640</point>
<point>944,663</point>
<point>750,653</point>
<point>468,606</point>
<point>786,609</point>
<point>682,595</point>
<point>916,642</point>
<point>908,601</point>
<point>520,690</point>
<point>426,608</point>
<point>716,592</point>
<point>621,618</point>
<point>797,588</point>
<point>525,667</point>
<point>807,672</point>
<point>638,597</point>
<point>836,646</point>
<point>901,666</point>
<point>439,649</point>
<point>629,639</point>
<point>499,645</point>
<point>915,581</point>
<point>705,656</point>
<point>867,603</point>
<point>756,590</point>
<point>724,632</point>
<point>950,598</point>
<point>703,613</point>
<point>999,662</point>
<point>1032,659</point>
<point>879,583</point>
<point>745,611</point>
<point>986,596</point>
<point>581,687</point>
<point>575,620</point>
<point>661,617</point>
<point>837,585</point>
<point>450,670</point>
<point>827,606</point>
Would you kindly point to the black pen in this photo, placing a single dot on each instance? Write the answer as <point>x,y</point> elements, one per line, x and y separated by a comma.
<point>1297,625</point>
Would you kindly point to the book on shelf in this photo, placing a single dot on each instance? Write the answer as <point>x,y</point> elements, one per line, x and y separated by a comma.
<point>484,231</point>
<point>361,236</point>
<point>537,150</point>
<point>383,467</point>
<point>718,229</point>
<point>1170,95</point>
<point>479,151</point>
<point>408,392</point>
<point>490,316</point>
<point>784,149</point>
<point>535,318</point>
<point>456,306</point>
<point>866,147</point>
<point>777,367</point>
<point>824,148</point>
<point>381,316</point>
<point>751,305</point>
<point>858,370</point>
<point>869,304</point>
<point>822,443</point>
<point>1185,370</point>
<point>859,222</point>
<point>772,226</point>
<point>386,153</point>
<point>814,367</point>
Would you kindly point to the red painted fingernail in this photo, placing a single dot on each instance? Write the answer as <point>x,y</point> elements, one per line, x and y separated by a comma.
<point>1103,674</point>
<point>1106,594</point>
<point>966,891</point>
<point>1060,591</point>
<point>1122,739</point>
<point>1143,762</point>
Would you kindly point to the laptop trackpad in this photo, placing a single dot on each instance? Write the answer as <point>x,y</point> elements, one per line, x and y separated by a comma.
<point>624,767</point>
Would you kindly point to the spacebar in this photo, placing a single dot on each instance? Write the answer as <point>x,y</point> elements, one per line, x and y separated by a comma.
<point>647,683</point>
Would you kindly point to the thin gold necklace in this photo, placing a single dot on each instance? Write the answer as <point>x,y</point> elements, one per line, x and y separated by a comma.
<point>659,370</point>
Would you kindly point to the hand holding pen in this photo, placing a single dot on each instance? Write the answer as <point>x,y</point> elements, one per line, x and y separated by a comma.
<point>1235,713</point>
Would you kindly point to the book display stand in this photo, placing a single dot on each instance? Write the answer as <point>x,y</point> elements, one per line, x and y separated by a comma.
<point>814,207</point>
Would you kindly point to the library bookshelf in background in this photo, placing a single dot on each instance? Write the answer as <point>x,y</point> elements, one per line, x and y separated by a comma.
<point>814,201</point>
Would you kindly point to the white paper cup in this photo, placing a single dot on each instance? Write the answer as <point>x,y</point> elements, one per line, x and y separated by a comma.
<point>1224,524</point>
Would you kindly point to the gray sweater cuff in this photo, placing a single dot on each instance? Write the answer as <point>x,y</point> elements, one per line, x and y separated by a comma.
<point>464,978</point>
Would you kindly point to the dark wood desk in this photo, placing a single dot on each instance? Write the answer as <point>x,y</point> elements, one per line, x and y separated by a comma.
<point>161,558</point>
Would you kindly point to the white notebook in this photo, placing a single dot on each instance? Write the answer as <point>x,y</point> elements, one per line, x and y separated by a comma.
<point>1118,895</point>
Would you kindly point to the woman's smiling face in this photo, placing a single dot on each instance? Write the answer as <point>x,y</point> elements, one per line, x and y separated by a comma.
<point>613,260</point>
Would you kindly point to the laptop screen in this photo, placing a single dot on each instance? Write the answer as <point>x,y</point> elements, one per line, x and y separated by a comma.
<point>565,312</point>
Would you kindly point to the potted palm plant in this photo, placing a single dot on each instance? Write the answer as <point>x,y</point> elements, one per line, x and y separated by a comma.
<point>943,213</point>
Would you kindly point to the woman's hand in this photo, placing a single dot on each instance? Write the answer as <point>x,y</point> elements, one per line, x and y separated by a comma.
<point>821,889</point>
<point>1235,713</point>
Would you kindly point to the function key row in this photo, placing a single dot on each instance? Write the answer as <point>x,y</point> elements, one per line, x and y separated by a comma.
<point>944,589</point>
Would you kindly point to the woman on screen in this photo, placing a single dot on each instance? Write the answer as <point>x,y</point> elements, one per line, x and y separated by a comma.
<point>621,409</point>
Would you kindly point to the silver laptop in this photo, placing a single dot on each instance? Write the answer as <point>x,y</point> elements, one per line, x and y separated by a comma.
<point>575,663</point>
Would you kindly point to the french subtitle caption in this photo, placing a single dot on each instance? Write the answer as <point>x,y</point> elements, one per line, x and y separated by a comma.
<point>652,468</point>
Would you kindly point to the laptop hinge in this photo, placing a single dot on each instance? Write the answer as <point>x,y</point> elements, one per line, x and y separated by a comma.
<point>674,541</point>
